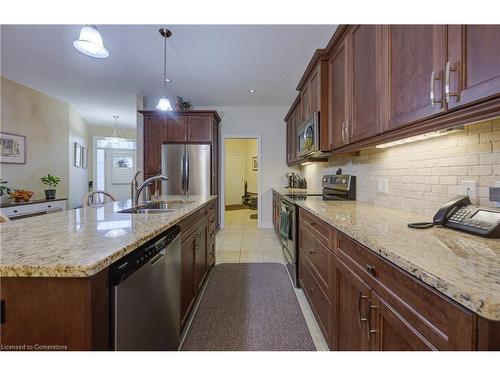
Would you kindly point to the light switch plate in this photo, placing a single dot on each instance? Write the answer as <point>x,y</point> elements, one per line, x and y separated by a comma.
<point>382,185</point>
<point>470,188</point>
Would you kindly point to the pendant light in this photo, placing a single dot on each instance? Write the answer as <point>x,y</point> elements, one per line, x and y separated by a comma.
<point>164,103</point>
<point>90,42</point>
<point>117,137</point>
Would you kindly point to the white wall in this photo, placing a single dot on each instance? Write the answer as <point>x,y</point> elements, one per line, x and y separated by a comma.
<point>78,177</point>
<point>266,122</point>
<point>248,148</point>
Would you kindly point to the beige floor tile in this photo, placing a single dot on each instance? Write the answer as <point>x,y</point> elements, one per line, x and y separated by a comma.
<point>228,257</point>
<point>252,257</point>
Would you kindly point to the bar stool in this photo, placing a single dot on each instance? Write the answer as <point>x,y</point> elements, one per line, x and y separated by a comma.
<point>96,198</point>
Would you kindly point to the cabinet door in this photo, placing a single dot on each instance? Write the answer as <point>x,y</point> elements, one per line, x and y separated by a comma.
<point>154,136</point>
<point>201,259</point>
<point>388,331</point>
<point>187,275</point>
<point>416,54</point>
<point>352,297</point>
<point>176,128</point>
<point>364,119</point>
<point>337,94</point>
<point>305,101</point>
<point>474,63</point>
<point>199,128</point>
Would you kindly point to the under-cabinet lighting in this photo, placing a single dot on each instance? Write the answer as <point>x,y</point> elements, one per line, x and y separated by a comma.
<point>421,137</point>
<point>305,163</point>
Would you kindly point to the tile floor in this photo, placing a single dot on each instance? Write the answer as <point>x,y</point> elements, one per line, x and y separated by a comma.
<point>242,242</point>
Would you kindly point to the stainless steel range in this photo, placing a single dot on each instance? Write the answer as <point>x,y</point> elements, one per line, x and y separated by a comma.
<point>340,187</point>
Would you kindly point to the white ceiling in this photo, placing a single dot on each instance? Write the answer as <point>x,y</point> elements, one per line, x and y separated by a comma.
<point>210,65</point>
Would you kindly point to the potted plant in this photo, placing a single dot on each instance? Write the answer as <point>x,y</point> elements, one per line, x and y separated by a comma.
<point>50,182</point>
<point>4,189</point>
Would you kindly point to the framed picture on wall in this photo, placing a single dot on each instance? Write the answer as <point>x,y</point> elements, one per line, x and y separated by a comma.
<point>12,148</point>
<point>254,163</point>
<point>78,155</point>
<point>84,157</point>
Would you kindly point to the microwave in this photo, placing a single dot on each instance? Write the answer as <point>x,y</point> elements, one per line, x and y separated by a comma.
<point>308,136</point>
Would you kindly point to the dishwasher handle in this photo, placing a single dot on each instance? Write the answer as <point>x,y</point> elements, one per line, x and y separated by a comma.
<point>151,252</point>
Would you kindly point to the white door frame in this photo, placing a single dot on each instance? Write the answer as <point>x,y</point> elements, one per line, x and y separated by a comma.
<point>222,181</point>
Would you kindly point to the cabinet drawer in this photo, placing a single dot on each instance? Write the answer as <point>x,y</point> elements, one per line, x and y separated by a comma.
<point>49,206</point>
<point>18,210</point>
<point>445,324</point>
<point>318,256</point>
<point>318,301</point>
<point>321,230</point>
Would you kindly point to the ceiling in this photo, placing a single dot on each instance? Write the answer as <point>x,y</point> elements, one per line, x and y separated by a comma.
<point>210,65</point>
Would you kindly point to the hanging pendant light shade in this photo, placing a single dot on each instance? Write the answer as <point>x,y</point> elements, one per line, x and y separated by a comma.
<point>116,138</point>
<point>90,42</point>
<point>164,103</point>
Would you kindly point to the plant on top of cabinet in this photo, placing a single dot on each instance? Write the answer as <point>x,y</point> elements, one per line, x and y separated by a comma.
<point>50,182</point>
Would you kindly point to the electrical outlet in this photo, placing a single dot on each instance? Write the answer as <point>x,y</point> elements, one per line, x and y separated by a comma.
<point>470,188</point>
<point>382,185</point>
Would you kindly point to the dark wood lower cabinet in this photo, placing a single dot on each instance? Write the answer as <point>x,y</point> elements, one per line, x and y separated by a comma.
<point>387,330</point>
<point>384,310</point>
<point>352,296</point>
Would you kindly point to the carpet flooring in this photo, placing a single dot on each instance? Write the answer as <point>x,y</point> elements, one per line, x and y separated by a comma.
<point>249,306</point>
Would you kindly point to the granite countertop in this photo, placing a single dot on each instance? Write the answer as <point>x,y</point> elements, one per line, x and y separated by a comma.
<point>81,242</point>
<point>462,266</point>
<point>297,191</point>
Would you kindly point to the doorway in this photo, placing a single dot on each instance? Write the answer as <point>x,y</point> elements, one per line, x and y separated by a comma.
<point>241,180</point>
<point>114,166</point>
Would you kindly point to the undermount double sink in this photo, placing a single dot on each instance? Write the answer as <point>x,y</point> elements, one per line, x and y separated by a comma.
<point>157,207</point>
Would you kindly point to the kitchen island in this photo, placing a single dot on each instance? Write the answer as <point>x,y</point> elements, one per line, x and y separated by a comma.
<point>54,269</point>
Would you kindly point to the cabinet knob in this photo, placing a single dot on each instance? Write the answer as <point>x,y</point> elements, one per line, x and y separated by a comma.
<point>370,269</point>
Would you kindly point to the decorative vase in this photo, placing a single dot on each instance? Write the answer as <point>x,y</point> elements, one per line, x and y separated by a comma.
<point>50,194</point>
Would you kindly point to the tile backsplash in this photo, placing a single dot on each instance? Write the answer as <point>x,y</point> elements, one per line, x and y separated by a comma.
<point>423,175</point>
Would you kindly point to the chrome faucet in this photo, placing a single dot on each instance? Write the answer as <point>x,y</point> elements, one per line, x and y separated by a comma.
<point>148,182</point>
<point>133,185</point>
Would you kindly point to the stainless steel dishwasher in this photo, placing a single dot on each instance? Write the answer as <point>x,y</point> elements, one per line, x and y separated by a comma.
<point>145,295</point>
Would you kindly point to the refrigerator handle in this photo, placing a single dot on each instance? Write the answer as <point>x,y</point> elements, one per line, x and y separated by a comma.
<point>183,174</point>
<point>187,174</point>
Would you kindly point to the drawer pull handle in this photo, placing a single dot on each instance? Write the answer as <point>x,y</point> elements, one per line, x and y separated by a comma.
<point>370,269</point>
<point>15,211</point>
<point>312,223</point>
<point>312,251</point>
<point>311,290</point>
<point>49,206</point>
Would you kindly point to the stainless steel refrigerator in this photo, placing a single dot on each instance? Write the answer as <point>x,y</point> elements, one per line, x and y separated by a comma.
<point>187,167</point>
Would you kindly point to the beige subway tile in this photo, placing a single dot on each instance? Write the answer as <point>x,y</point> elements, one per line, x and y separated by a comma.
<point>495,124</point>
<point>488,180</point>
<point>480,127</point>
<point>480,170</point>
<point>457,171</point>
<point>455,190</point>
<point>481,148</point>
<point>425,188</point>
<point>496,170</point>
<point>470,139</point>
<point>496,146</point>
<point>492,136</point>
<point>432,180</point>
<point>439,188</point>
<point>493,158</point>
<point>448,180</point>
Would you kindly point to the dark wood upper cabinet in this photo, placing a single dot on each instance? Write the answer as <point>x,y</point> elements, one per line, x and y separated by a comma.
<point>415,61</point>
<point>292,120</point>
<point>199,128</point>
<point>176,128</point>
<point>155,134</point>
<point>364,43</point>
<point>473,65</point>
<point>337,98</point>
